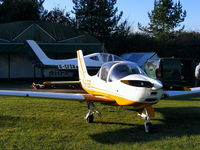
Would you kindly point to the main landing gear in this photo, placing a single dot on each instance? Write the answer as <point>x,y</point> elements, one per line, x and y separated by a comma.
<point>148,127</point>
<point>91,110</point>
<point>144,114</point>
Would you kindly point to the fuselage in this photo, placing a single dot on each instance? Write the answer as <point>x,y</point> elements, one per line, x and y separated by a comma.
<point>135,88</point>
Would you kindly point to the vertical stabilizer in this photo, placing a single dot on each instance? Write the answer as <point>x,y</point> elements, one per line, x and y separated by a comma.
<point>82,70</point>
<point>38,51</point>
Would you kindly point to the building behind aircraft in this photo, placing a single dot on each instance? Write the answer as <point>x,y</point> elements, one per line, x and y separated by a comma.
<point>57,41</point>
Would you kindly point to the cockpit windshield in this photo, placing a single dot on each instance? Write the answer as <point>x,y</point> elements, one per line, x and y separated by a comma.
<point>121,70</point>
<point>106,57</point>
<point>109,57</point>
<point>112,71</point>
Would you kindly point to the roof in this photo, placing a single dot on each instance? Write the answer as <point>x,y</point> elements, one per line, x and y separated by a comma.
<point>52,37</point>
<point>17,32</point>
<point>139,58</point>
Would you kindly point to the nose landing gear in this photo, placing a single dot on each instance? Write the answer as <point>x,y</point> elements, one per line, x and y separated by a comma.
<point>148,127</point>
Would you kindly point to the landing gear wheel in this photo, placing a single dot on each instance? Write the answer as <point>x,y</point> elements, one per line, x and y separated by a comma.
<point>148,127</point>
<point>90,118</point>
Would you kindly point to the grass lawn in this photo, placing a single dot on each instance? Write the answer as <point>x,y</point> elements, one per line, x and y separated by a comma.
<point>32,123</point>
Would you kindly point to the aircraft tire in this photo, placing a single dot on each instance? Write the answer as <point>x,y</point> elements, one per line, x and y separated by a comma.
<point>90,119</point>
<point>148,127</point>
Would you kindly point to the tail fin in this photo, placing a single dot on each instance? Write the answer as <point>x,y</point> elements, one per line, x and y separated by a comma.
<point>37,51</point>
<point>82,70</point>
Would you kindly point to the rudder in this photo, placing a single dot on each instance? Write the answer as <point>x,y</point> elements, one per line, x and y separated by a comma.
<point>82,70</point>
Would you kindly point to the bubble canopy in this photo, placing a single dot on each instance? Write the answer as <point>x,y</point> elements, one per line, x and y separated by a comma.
<point>113,71</point>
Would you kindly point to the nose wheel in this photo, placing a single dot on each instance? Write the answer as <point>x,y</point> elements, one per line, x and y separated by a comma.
<point>148,127</point>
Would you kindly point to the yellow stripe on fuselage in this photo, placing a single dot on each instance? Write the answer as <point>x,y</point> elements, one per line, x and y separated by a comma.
<point>119,99</point>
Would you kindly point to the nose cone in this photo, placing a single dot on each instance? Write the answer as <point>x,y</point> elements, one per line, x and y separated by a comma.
<point>156,84</point>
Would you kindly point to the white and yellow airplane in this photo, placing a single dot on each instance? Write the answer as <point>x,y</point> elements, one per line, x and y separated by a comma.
<point>119,83</point>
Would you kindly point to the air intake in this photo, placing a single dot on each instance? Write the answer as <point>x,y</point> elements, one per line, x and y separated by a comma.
<point>138,83</point>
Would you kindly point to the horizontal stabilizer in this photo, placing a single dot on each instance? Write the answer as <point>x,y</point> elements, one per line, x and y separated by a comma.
<point>61,82</point>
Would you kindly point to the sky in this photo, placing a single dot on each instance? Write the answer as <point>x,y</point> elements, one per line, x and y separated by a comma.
<point>136,11</point>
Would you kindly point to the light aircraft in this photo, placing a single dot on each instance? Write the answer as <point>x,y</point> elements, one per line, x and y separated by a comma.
<point>94,60</point>
<point>118,83</point>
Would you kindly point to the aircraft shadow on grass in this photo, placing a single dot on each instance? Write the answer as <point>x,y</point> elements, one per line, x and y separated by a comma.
<point>177,122</point>
<point>9,121</point>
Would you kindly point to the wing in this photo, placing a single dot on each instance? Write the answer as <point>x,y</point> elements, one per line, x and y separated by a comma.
<point>66,96</point>
<point>177,93</point>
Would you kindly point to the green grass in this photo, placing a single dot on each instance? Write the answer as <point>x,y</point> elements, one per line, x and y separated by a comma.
<point>30,123</point>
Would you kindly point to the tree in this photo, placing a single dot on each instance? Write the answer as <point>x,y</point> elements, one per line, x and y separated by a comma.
<point>122,30</point>
<point>18,10</point>
<point>57,16</point>
<point>165,19</point>
<point>98,17</point>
